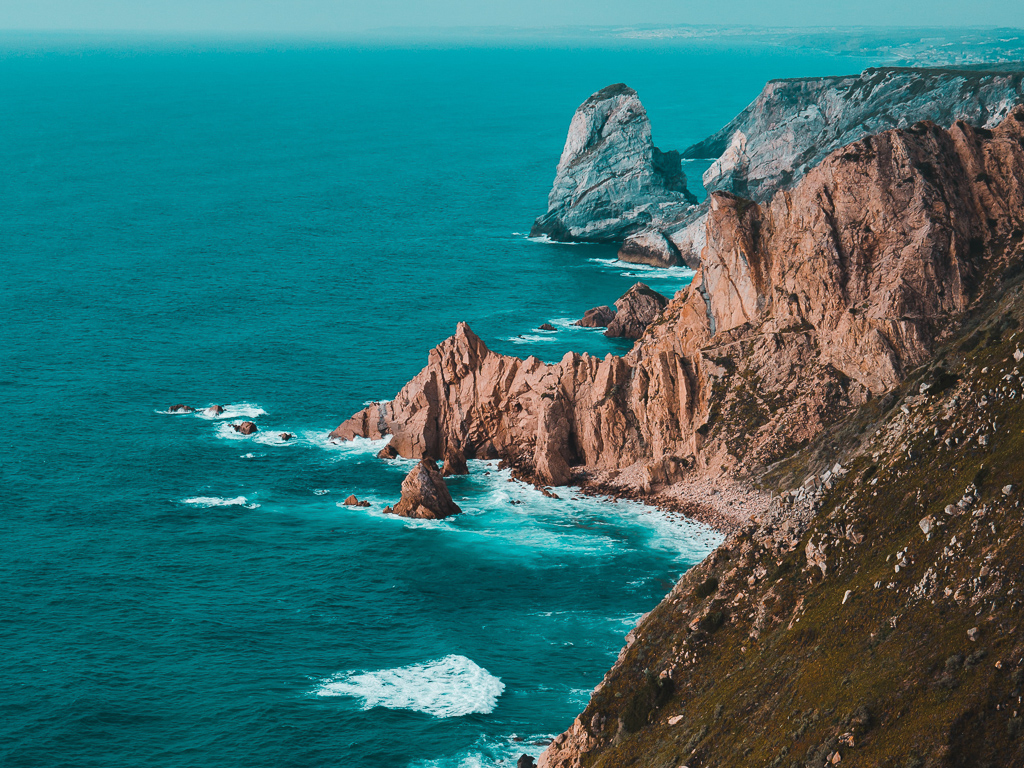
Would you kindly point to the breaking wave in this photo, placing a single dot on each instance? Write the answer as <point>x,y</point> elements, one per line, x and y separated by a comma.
<point>450,687</point>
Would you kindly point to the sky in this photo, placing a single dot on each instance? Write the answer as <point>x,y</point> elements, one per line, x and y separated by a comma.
<point>343,17</point>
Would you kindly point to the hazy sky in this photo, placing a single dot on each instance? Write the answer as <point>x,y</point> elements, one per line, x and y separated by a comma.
<point>348,16</point>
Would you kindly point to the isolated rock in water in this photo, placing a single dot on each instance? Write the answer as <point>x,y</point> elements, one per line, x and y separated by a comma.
<point>651,248</point>
<point>454,462</point>
<point>526,761</point>
<point>286,436</point>
<point>425,495</point>
<point>352,501</point>
<point>611,180</point>
<point>794,124</point>
<point>179,408</point>
<point>214,410</point>
<point>245,428</point>
<point>637,309</point>
<point>598,317</point>
<point>546,327</point>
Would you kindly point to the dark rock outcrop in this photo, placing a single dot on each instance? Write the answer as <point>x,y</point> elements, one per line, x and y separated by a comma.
<point>598,317</point>
<point>635,310</point>
<point>213,410</point>
<point>352,501</point>
<point>546,327</point>
<point>286,436</point>
<point>611,180</point>
<point>181,408</point>
<point>425,494</point>
<point>245,428</point>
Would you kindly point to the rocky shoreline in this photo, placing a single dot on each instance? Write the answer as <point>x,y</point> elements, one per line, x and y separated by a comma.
<point>801,396</point>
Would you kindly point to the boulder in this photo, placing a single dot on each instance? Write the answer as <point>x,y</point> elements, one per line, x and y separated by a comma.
<point>652,248</point>
<point>526,761</point>
<point>546,327</point>
<point>598,317</point>
<point>387,452</point>
<point>214,410</point>
<point>611,180</point>
<point>180,408</point>
<point>637,309</point>
<point>286,436</point>
<point>245,428</point>
<point>352,501</point>
<point>425,495</point>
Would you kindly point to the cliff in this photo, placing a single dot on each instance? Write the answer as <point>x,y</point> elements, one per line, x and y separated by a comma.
<point>804,308</point>
<point>794,124</point>
<point>611,180</point>
<point>872,617</point>
<point>850,353</point>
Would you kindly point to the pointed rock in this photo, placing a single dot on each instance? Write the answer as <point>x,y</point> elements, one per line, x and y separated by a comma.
<point>425,495</point>
<point>638,308</point>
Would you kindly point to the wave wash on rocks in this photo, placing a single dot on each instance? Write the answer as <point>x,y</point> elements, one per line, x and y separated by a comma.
<point>803,307</point>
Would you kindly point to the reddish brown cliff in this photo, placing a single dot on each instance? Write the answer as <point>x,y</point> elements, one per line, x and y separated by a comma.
<point>818,300</point>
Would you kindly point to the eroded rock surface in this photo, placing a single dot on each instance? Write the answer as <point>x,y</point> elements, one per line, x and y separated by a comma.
<point>425,494</point>
<point>245,428</point>
<point>803,308</point>
<point>611,180</point>
<point>794,124</point>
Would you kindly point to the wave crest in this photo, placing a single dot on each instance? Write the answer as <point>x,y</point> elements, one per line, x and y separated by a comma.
<point>450,687</point>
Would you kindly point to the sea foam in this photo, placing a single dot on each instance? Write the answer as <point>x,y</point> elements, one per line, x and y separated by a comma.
<point>450,687</point>
<point>219,501</point>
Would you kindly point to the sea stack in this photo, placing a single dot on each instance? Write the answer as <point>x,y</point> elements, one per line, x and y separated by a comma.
<point>611,180</point>
<point>425,494</point>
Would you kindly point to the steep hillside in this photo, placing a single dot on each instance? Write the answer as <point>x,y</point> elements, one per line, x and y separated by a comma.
<point>873,617</point>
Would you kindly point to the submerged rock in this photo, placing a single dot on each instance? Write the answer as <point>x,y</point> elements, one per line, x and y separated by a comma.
<point>181,408</point>
<point>425,494</point>
<point>286,436</point>
<point>245,428</point>
<point>637,309</point>
<point>611,180</point>
<point>214,410</point>
<point>598,317</point>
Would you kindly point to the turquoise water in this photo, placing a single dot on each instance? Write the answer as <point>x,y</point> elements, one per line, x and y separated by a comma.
<point>287,232</point>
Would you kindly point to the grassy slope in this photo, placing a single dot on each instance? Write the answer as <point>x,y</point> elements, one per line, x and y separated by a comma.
<point>792,675</point>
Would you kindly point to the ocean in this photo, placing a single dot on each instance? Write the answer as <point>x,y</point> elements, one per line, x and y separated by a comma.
<point>286,230</point>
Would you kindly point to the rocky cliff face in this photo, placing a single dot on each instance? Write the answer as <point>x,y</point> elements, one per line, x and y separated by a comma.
<point>803,308</point>
<point>611,180</point>
<point>794,124</point>
<point>871,617</point>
